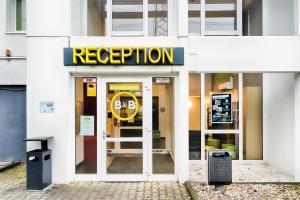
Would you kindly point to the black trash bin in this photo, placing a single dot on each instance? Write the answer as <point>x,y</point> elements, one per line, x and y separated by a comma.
<point>219,167</point>
<point>39,165</point>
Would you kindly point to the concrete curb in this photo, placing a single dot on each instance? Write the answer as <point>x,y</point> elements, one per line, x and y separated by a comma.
<point>190,190</point>
<point>9,166</point>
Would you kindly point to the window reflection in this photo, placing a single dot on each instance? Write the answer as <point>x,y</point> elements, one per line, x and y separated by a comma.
<point>227,142</point>
<point>158,18</point>
<point>194,17</point>
<point>85,130</point>
<point>127,15</point>
<point>221,15</point>
<point>216,86</point>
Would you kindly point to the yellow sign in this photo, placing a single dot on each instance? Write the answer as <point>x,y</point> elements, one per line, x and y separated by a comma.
<point>121,55</point>
<point>125,86</point>
<point>114,104</point>
<point>91,89</point>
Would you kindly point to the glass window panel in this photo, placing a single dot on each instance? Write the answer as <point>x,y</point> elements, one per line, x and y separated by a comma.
<point>162,127</point>
<point>124,107</point>
<point>222,115</point>
<point>221,15</point>
<point>158,18</point>
<point>21,15</point>
<point>253,116</point>
<point>194,17</point>
<point>127,15</point>
<point>124,161</point>
<point>10,15</point>
<point>194,117</point>
<point>96,18</point>
<point>228,142</point>
<point>85,125</point>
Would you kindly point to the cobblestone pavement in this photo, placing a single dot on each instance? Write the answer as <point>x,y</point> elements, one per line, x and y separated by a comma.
<point>12,186</point>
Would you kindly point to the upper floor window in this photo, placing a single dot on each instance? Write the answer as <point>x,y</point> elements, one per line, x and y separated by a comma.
<point>120,17</point>
<point>15,15</point>
<point>158,18</point>
<point>138,18</point>
<point>215,17</point>
<point>194,14</point>
<point>221,16</point>
<point>127,17</point>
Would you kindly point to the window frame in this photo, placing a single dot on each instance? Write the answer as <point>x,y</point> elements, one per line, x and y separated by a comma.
<point>200,16</point>
<point>144,33</point>
<point>12,28</point>
<point>238,31</point>
<point>205,131</point>
<point>204,32</point>
<point>110,31</point>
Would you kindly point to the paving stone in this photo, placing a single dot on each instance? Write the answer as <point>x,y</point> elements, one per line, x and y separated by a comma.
<point>12,186</point>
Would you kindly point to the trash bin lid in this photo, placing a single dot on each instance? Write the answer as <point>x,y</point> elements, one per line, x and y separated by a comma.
<point>39,138</point>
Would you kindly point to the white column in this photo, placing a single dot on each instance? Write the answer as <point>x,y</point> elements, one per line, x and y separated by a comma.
<point>297,17</point>
<point>278,121</point>
<point>48,17</point>
<point>297,128</point>
<point>181,124</point>
<point>182,17</point>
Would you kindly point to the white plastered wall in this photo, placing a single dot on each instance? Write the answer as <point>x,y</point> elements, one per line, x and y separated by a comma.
<point>12,71</point>
<point>48,80</point>
<point>77,17</point>
<point>278,121</point>
<point>297,127</point>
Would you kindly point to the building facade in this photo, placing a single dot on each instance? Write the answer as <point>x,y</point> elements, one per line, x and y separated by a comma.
<point>135,90</point>
<point>12,80</point>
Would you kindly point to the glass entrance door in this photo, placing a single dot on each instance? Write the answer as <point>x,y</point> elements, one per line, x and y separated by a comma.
<point>124,128</point>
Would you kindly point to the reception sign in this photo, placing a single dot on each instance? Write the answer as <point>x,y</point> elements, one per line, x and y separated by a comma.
<point>221,111</point>
<point>123,56</point>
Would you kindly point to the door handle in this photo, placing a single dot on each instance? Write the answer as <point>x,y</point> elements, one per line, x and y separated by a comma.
<point>103,135</point>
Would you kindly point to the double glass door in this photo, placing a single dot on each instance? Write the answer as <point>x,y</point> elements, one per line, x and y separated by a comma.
<point>125,128</point>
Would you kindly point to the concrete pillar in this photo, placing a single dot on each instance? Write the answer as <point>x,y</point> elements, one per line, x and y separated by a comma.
<point>297,128</point>
<point>182,7</point>
<point>278,120</point>
<point>181,141</point>
<point>48,18</point>
<point>297,16</point>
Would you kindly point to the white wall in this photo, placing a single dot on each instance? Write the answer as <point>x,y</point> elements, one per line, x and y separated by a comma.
<point>297,17</point>
<point>13,71</point>
<point>76,17</point>
<point>48,17</point>
<point>278,17</point>
<point>297,127</point>
<point>255,54</point>
<point>278,120</point>
<point>48,80</point>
